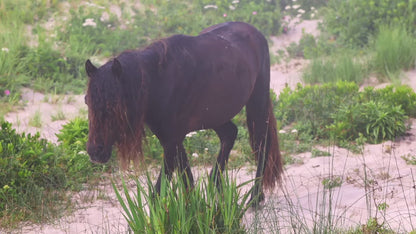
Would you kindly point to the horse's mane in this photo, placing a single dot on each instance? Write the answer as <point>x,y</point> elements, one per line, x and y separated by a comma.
<point>147,64</point>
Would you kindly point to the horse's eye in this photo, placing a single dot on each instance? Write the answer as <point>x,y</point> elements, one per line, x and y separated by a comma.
<point>85,99</point>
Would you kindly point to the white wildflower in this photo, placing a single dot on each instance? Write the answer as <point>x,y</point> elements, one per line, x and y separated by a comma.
<point>206,149</point>
<point>294,131</point>
<point>288,7</point>
<point>282,131</point>
<point>210,6</point>
<point>295,6</point>
<point>89,22</point>
<point>105,17</point>
<point>235,2</point>
<point>312,15</point>
<point>190,134</point>
<point>301,11</point>
<point>195,155</point>
<point>4,49</point>
<point>232,7</point>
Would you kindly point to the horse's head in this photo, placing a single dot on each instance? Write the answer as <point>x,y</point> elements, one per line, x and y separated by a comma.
<point>105,102</point>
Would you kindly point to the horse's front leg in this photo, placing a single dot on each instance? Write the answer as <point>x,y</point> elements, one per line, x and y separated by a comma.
<point>184,167</point>
<point>175,157</point>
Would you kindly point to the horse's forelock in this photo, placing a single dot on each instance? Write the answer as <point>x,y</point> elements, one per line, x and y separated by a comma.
<point>118,115</point>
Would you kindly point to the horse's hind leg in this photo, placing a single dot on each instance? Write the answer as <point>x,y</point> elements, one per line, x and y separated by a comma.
<point>227,134</point>
<point>257,122</point>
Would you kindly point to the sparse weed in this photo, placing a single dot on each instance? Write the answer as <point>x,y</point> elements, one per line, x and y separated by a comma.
<point>60,115</point>
<point>36,120</point>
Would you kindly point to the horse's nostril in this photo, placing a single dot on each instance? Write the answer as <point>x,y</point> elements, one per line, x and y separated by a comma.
<point>100,148</point>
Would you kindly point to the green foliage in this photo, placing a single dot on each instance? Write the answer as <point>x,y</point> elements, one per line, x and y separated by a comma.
<point>339,111</point>
<point>409,159</point>
<point>73,139</point>
<point>333,69</point>
<point>35,174</point>
<point>353,22</point>
<point>400,95</point>
<point>53,58</point>
<point>333,182</point>
<point>319,153</point>
<point>379,120</point>
<point>395,50</point>
<point>175,16</point>
<point>30,172</point>
<point>177,209</point>
<point>372,226</point>
<point>313,105</point>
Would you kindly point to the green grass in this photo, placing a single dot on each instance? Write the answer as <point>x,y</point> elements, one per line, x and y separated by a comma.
<point>203,209</point>
<point>395,50</point>
<point>59,115</point>
<point>36,120</point>
<point>344,67</point>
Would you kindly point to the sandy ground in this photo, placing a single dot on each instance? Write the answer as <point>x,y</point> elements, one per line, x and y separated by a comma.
<point>302,199</point>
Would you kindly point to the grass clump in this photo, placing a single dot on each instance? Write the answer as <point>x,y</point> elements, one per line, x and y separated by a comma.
<point>203,209</point>
<point>395,49</point>
<point>36,120</point>
<point>333,69</point>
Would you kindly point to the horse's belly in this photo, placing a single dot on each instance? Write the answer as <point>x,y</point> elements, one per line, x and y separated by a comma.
<point>221,104</point>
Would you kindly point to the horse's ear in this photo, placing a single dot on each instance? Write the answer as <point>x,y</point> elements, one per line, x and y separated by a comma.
<point>90,68</point>
<point>116,68</point>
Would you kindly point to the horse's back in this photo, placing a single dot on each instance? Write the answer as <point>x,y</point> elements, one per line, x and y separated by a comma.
<point>208,78</point>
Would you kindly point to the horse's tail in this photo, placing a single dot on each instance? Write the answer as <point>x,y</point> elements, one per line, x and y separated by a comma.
<point>274,163</point>
<point>262,128</point>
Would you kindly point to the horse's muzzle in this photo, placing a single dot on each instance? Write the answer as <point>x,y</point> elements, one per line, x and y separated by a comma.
<point>98,153</point>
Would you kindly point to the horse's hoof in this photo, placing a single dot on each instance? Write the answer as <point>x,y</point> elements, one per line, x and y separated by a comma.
<point>256,200</point>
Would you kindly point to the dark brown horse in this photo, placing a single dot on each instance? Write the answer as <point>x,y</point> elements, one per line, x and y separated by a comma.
<point>182,84</point>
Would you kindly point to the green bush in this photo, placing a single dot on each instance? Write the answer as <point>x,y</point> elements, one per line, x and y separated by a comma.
<point>353,22</point>
<point>30,173</point>
<point>377,121</point>
<point>340,111</point>
<point>79,169</point>
<point>35,174</point>
<point>313,106</point>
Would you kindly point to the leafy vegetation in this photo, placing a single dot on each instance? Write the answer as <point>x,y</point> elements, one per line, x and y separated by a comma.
<point>339,110</point>
<point>354,22</point>
<point>395,50</point>
<point>30,173</point>
<point>179,210</point>
<point>36,174</point>
<point>46,51</point>
<point>53,57</point>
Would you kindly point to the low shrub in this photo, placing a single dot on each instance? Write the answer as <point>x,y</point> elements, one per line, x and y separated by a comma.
<point>79,169</point>
<point>340,110</point>
<point>30,175</point>
<point>353,22</point>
